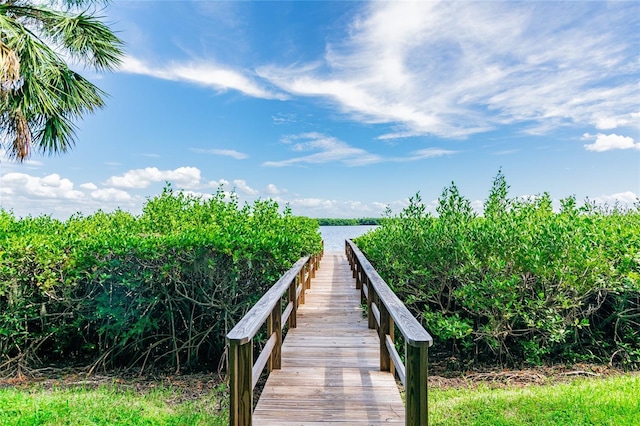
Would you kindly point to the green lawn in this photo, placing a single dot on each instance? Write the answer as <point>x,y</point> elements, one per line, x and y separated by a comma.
<point>107,405</point>
<point>612,401</point>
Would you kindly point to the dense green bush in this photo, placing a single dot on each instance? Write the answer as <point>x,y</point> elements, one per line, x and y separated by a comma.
<point>160,290</point>
<point>521,283</point>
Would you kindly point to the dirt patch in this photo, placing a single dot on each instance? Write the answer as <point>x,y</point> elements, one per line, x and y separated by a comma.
<point>442,378</point>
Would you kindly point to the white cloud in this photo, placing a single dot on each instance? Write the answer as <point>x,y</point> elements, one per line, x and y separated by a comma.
<point>430,153</point>
<point>321,207</point>
<point>242,186</point>
<point>274,190</point>
<point>314,203</point>
<point>608,142</point>
<point>186,177</point>
<point>624,198</point>
<point>205,74</point>
<point>457,68</point>
<point>282,118</point>
<point>51,186</point>
<point>111,195</point>
<point>329,149</point>
<point>218,183</point>
<point>224,152</point>
<point>89,185</point>
<point>200,195</point>
<point>606,122</point>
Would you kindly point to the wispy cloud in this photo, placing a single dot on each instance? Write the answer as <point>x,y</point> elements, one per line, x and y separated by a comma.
<point>204,74</point>
<point>329,149</point>
<point>422,154</point>
<point>224,152</point>
<point>506,152</point>
<point>454,69</point>
<point>609,142</point>
<point>282,118</point>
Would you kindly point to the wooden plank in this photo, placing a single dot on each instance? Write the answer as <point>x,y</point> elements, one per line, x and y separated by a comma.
<point>330,362</point>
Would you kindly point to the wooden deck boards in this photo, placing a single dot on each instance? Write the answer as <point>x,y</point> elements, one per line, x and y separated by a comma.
<point>330,362</point>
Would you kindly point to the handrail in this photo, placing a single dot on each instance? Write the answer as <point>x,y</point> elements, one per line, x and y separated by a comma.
<point>384,311</point>
<point>243,373</point>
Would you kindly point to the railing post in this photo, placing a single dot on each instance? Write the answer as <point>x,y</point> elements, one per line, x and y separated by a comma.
<point>383,330</point>
<point>392,331</point>
<point>302,284</point>
<point>274,325</point>
<point>241,385</point>
<point>292,322</point>
<point>416,386</point>
<point>370,294</point>
<point>354,265</point>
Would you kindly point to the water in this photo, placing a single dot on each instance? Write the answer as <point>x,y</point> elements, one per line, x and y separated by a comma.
<point>334,236</point>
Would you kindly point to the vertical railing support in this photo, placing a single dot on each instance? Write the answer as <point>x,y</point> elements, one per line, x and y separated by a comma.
<point>292,322</point>
<point>370,295</point>
<point>416,386</point>
<point>302,283</point>
<point>383,330</point>
<point>354,266</point>
<point>392,332</point>
<point>274,325</point>
<point>240,365</point>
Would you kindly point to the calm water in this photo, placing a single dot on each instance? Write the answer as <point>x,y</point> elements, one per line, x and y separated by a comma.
<point>334,236</point>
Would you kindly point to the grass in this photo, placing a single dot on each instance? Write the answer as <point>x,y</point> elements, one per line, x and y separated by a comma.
<point>106,405</point>
<point>594,401</point>
<point>611,401</point>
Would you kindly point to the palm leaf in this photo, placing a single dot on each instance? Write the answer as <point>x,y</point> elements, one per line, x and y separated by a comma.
<point>41,95</point>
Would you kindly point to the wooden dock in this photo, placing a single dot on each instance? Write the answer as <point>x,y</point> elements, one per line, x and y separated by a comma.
<point>330,372</point>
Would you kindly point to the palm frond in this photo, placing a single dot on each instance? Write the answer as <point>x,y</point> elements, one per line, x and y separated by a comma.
<point>57,135</point>
<point>88,39</point>
<point>40,95</point>
<point>83,35</point>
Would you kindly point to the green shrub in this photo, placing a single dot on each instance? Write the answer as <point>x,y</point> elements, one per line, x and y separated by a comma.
<point>521,283</point>
<point>160,290</point>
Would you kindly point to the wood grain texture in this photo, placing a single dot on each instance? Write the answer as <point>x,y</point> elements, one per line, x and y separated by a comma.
<point>330,372</point>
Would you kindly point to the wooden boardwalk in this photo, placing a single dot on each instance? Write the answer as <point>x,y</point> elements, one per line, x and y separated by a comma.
<point>330,363</point>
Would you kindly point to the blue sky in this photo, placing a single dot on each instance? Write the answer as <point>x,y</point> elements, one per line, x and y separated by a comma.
<point>340,109</point>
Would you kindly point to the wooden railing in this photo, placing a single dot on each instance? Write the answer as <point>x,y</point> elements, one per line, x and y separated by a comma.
<point>384,310</point>
<point>244,374</point>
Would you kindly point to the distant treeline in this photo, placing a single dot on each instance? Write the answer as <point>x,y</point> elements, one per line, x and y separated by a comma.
<point>349,222</point>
